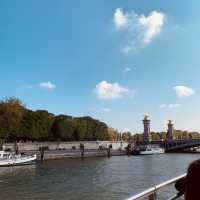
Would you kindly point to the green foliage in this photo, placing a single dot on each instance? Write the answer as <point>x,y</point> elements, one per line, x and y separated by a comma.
<point>127,136</point>
<point>178,134</point>
<point>114,134</point>
<point>19,123</point>
<point>138,137</point>
<point>63,128</point>
<point>35,125</point>
<point>82,128</point>
<point>11,113</point>
<point>157,136</point>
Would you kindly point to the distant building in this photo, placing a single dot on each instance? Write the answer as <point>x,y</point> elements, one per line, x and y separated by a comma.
<point>146,134</point>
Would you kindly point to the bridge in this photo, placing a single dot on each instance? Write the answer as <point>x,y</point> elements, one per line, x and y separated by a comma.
<point>170,144</point>
<point>179,145</point>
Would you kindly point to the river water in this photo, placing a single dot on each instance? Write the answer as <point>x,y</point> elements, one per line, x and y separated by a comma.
<point>114,178</point>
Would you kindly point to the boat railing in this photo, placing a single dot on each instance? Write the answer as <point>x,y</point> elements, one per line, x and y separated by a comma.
<point>152,193</point>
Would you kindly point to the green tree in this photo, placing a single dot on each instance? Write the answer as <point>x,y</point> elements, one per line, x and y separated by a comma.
<point>127,136</point>
<point>36,125</point>
<point>91,129</point>
<point>64,128</point>
<point>11,114</point>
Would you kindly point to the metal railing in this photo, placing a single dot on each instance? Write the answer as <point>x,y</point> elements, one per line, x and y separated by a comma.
<point>151,193</point>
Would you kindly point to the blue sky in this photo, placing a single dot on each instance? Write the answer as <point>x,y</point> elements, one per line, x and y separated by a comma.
<point>113,60</point>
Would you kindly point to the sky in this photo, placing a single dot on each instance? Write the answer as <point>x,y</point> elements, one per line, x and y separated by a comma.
<point>113,60</point>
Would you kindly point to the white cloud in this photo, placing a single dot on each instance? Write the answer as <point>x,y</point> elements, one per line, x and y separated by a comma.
<point>106,110</point>
<point>101,110</point>
<point>171,105</point>
<point>120,19</point>
<point>152,25</point>
<point>105,90</point>
<point>47,85</point>
<point>139,30</point>
<point>128,48</point>
<point>163,105</point>
<point>127,69</point>
<point>26,87</point>
<point>176,105</point>
<point>183,91</point>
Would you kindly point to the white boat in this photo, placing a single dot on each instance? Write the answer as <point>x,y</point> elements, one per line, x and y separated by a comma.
<point>148,150</point>
<point>152,150</point>
<point>12,159</point>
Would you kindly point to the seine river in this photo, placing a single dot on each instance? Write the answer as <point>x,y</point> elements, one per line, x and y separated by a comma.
<point>114,178</point>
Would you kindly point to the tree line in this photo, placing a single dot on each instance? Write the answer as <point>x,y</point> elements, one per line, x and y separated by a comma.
<point>157,136</point>
<point>17,123</point>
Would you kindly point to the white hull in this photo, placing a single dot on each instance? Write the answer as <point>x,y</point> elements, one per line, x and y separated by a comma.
<point>152,151</point>
<point>18,160</point>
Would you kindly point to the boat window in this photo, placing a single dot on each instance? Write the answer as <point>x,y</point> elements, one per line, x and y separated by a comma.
<point>5,155</point>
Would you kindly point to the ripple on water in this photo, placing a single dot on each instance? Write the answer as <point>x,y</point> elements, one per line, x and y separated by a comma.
<point>112,178</point>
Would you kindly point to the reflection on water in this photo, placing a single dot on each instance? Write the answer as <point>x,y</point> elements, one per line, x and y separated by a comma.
<point>15,170</point>
<point>94,178</point>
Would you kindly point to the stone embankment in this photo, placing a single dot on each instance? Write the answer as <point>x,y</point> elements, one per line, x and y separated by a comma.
<point>60,150</point>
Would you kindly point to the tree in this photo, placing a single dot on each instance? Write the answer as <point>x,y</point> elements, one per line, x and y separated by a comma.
<point>36,125</point>
<point>91,129</point>
<point>127,136</point>
<point>138,137</point>
<point>113,134</point>
<point>63,128</point>
<point>11,114</point>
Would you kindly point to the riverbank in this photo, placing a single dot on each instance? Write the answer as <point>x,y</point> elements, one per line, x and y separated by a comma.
<point>73,154</point>
<point>61,150</point>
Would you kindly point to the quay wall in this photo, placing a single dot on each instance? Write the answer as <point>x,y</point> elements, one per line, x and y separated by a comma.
<point>88,145</point>
<point>61,154</point>
<point>61,150</point>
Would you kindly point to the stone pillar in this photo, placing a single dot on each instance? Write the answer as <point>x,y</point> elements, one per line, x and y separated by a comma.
<point>146,134</point>
<point>170,130</point>
<point>82,148</point>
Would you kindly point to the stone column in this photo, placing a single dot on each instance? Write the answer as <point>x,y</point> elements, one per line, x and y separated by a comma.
<point>170,130</point>
<point>146,134</point>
